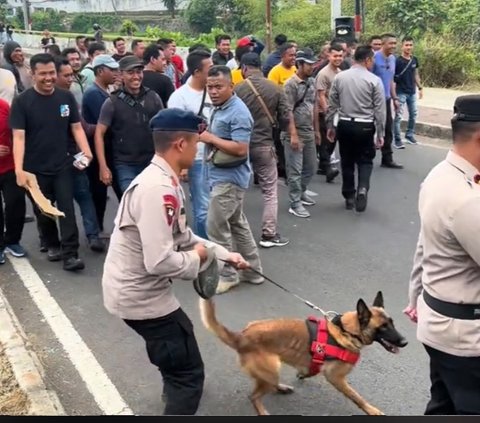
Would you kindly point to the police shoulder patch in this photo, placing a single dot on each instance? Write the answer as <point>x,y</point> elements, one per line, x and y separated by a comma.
<point>170,203</point>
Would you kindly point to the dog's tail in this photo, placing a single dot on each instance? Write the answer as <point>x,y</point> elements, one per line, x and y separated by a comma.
<point>209,320</point>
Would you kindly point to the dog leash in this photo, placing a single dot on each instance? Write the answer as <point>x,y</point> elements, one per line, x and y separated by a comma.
<point>328,314</point>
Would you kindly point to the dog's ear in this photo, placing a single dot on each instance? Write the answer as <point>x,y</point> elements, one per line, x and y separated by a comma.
<point>363,313</point>
<point>378,301</point>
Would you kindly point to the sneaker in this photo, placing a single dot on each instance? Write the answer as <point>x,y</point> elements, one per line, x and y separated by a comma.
<point>321,171</point>
<point>72,264</point>
<point>54,254</point>
<point>299,211</point>
<point>361,200</point>
<point>332,173</point>
<point>225,286</point>
<point>273,241</point>
<point>350,203</point>
<point>16,250</point>
<point>3,259</point>
<point>96,244</point>
<point>399,145</point>
<point>306,200</point>
<point>411,140</point>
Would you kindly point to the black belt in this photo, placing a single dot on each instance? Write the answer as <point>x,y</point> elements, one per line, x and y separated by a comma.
<point>455,311</point>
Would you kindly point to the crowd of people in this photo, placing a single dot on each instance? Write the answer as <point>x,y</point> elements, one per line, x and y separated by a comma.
<point>144,121</point>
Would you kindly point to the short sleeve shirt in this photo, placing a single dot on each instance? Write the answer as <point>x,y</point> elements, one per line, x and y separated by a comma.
<point>405,70</point>
<point>384,68</point>
<point>46,120</point>
<point>232,122</point>
<point>280,74</point>
<point>303,93</point>
<point>325,78</point>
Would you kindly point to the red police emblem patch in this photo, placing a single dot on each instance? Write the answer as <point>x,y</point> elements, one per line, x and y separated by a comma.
<point>170,203</point>
<point>476,178</point>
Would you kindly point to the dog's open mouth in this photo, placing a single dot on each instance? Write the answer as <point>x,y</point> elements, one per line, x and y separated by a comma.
<point>389,347</point>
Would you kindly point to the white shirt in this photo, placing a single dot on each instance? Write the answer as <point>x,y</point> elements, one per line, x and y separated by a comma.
<point>8,86</point>
<point>187,98</point>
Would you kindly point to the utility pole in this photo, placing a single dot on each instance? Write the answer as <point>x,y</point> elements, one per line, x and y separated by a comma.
<point>269,25</point>
<point>26,14</point>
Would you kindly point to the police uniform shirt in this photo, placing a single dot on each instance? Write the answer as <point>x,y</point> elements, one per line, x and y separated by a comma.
<point>447,259</point>
<point>151,245</point>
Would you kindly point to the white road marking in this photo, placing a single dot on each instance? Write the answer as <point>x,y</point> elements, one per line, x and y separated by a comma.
<point>98,383</point>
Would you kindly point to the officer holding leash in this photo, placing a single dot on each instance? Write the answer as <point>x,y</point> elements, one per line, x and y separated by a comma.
<point>150,246</point>
<point>445,281</point>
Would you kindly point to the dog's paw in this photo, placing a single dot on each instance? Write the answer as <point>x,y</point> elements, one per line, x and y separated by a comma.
<point>301,376</point>
<point>285,389</point>
<point>372,411</point>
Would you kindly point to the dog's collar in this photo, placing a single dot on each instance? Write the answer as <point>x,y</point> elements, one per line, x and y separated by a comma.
<point>337,321</point>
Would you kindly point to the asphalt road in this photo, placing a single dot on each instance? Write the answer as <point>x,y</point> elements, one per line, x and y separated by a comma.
<point>334,258</point>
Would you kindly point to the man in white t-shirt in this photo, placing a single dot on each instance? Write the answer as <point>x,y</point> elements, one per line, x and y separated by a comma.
<point>193,97</point>
<point>8,86</point>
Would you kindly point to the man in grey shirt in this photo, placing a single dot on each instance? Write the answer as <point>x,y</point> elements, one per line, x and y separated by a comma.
<point>358,98</point>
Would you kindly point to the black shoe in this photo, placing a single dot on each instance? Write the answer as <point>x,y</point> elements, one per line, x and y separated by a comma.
<point>332,174</point>
<point>349,203</point>
<point>321,171</point>
<point>96,244</point>
<point>43,247</point>
<point>361,200</point>
<point>392,165</point>
<point>54,254</point>
<point>29,218</point>
<point>73,263</point>
<point>274,241</point>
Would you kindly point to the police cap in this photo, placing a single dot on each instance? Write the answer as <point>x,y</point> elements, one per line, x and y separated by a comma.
<point>177,120</point>
<point>467,108</point>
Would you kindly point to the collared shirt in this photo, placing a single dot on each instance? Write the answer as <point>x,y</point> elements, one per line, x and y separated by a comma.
<point>276,102</point>
<point>358,93</point>
<point>447,259</point>
<point>78,87</point>
<point>151,244</point>
<point>302,109</point>
<point>232,121</point>
<point>384,68</point>
<point>92,103</point>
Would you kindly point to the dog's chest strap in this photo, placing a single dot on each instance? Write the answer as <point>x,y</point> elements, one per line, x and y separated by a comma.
<point>324,347</point>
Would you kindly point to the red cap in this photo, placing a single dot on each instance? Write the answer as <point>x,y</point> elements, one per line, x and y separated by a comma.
<point>244,41</point>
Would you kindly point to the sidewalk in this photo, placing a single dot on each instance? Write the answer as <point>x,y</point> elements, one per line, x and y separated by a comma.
<point>435,111</point>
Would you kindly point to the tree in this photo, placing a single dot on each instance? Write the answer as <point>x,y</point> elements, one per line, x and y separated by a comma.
<point>171,5</point>
<point>202,15</point>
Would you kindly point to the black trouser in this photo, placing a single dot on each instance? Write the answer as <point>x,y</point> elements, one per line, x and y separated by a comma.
<point>14,217</point>
<point>455,385</point>
<point>280,151</point>
<point>172,347</point>
<point>326,148</point>
<point>387,153</point>
<point>59,190</point>
<point>98,190</point>
<point>356,140</point>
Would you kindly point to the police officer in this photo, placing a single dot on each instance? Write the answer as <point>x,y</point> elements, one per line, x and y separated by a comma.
<point>150,246</point>
<point>357,96</point>
<point>445,281</point>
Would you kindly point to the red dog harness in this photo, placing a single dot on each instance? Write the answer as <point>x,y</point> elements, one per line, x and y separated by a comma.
<point>322,348</point>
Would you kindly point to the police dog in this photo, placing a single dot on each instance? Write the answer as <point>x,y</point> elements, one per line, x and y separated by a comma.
<point>265,344</point>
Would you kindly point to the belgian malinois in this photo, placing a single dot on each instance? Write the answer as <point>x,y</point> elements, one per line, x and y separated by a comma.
<point>265,344</point>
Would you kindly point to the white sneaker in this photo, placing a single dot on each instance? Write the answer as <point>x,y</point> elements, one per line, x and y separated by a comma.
<point>224,286</point>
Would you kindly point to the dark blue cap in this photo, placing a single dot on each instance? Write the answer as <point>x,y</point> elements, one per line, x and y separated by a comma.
<point>174,120</point>
<point>467,108</point>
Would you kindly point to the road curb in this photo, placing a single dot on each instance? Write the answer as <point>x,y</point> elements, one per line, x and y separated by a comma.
<point>25,365</point>
<point>430,130</point>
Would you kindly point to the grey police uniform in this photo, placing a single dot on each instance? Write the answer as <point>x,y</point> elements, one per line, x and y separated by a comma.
<point>445,280</point>
<point>150,246</point>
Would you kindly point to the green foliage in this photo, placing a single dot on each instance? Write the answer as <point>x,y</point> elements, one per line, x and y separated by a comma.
<point>51,20</point>
<point>128,28</point>
<point>463,20</point>
<point>84,23</point>
<point>201,15</point>
<point>445,63</point>
<point>307,24</point>
<point>3,10</point>
<point>171,5</point>
<point>182,39</point>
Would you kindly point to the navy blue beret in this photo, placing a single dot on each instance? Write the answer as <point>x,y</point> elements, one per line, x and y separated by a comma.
<point>177,120</point>
<point>467,108</point>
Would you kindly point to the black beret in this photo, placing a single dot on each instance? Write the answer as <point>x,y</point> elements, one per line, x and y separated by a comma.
<point>177,120</point>
<point>467,108</point>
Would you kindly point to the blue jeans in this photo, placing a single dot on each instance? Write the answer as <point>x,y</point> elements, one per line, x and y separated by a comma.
<point>83,197</point>
<point>126,173</point>
<point>199,195</point>
<point>411,101</point>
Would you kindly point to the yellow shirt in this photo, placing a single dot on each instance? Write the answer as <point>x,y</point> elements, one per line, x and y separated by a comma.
<point>237,76</point>
<point>280,74</point>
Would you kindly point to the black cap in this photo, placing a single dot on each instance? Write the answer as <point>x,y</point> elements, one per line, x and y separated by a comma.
<point>306,56</point>
<point>177,120</point>
<point>251,59</point>
<point>130,62</point>
<point>467,108</point>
